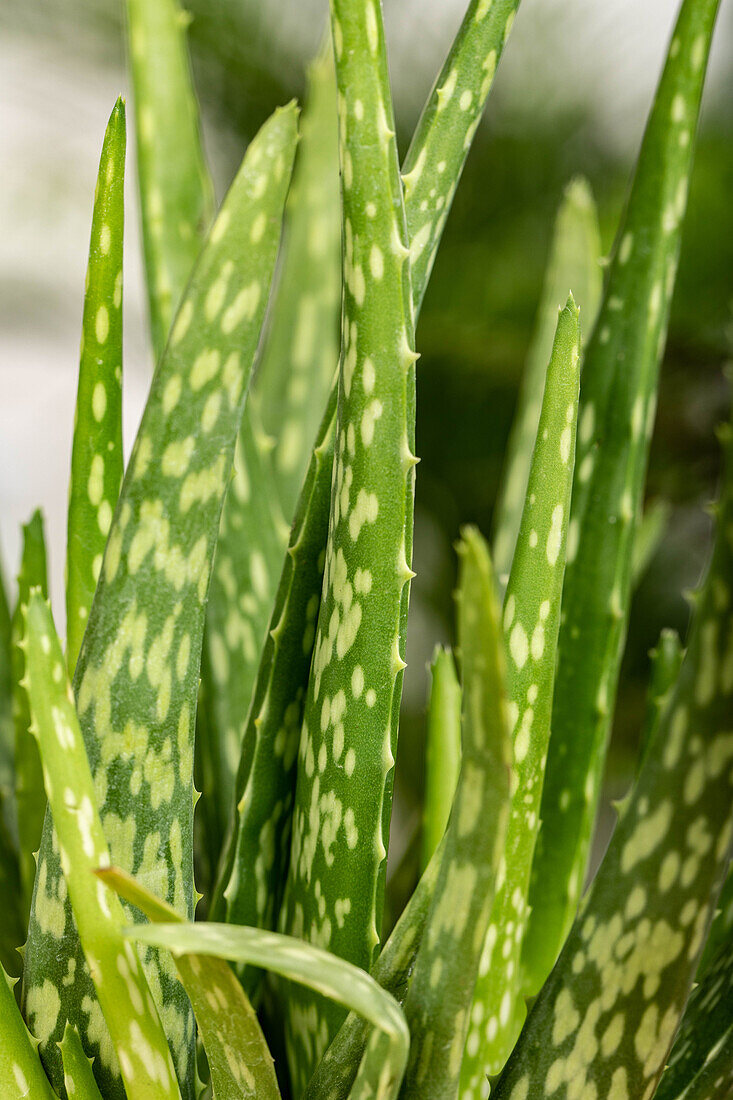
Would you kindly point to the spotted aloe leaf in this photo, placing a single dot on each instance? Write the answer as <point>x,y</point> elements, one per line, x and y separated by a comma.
<point>443,750</point>
<point>21,1072</point>
<point>140,1044</point>
<point>30,797</point>
<point>701,1063</point>
<point>79,1079</point>
<point>438,1003</point>
<point>574,262</point>
<point>96,459</point>
<point>302,963</point>
<point>137,676</point>
<point>604,1021</point>
<point>349,743</point>
<point>531,623</point>
<point>254,865</point>
<point>176,195</point>
<point>239,1060</point>
<point>618,400</point>
<point>298,360</point>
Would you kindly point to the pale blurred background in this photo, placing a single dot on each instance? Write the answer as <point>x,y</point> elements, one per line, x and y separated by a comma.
<point>571,96</point>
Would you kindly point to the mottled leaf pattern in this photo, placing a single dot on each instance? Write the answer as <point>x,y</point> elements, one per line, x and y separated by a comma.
<point>30,797</point>
<point>96,459</point>
<point>605,1019</point>
<point>443,750</point>
<point>137,676</point>
<point>239,1060</point>
<point>140,1046</point>
<point>574,264</point>
<point>438,1002</point>
<point>617,406</point>
<point>21,1072</point>
<point>531,621</point>
<point>176,196</point>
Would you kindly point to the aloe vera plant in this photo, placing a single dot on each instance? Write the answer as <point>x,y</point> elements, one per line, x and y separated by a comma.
<point>261,540</point>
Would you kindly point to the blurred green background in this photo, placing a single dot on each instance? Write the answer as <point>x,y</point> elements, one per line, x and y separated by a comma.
<point>571,98</point>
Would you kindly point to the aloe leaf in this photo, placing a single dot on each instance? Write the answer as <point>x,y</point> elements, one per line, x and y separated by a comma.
<point>574,261</point>
<point>666,663</point>
<point>254,864</point>
<point>701,1063</point>
<point>446,128</point>
<point>137,676</point>
<point>297,962</point>
<point>13,924</point>
<point>21,1072</point>
<point>30,797</point>
<point>7,727</point>
<point>176,195</point>
<point>79,1079</point>
<point>298,360</point>
<point>443,750</point>
<point>617,404</point>
<point>140,1044</point>
<point>249,551</point>
<point>648,538</point>
<point>438,1002</point>
<point>605,1019</point>
<point>240,1063</point>
<point>531,623</point>
<point>97,459</point>
<point>348,744</point>
<point>721,930</point>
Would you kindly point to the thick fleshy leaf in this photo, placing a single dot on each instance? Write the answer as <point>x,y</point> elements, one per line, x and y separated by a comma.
<point>666,663</point>
<point>136,680</point>
<point>96,459</point>
<point>13,924</point>
<point>574,263</point>
<point>439,998</point>
<point>176,195</point>
<point>301,963</point>
<point>346,755</point>
<point>7,729</point>
<point>239,1060</point>
<point>298,361</point>
<point>30,797</point>
<point>604,1021</point>
<point>443,750</point>
<point>79,1079</point>
<point>617,406</point>
<point>140,1044</point>
<point>21,1072</point>
<point>531,623</point>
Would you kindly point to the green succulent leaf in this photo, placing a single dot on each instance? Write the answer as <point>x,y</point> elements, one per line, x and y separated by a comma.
<point>574,261</point>
<point>21,1072</point>
<point>531,622</point>
<point>79,1079</point>
<point>700,1066</point>
<point>604,1021</point>
<point>443,750</point>
<point>721,930</point>
<point>666,664</point>
<point>239,1060</point>
<point>176,195</point>
<point>13,924</point>
<point>617,405</point>
<point>136,680</point>
<point>141,1048</point>
<point>7,728</point>
<point>297,962</point>
<point>30,796</point>
<point>349,740</point>
<point>96,459</point>
<point>439,998</point>
<point>298,361</point>
<point>254,865</point>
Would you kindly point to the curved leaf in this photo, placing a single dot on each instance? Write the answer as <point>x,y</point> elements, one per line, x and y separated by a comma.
<point>443,750</point>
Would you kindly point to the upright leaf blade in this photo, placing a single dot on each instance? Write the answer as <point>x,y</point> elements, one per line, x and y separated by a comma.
<point>137,675</point>
<point>140,1045</point>
<point>443,750</point>
<point>438,1002</point>
<point>97,459</point>
<point>21,1072</point>
<point>617,405</point>
<point>350,720</point>
<point>574,263</point>
<point>79,1079</point>
<point>176,195</point>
